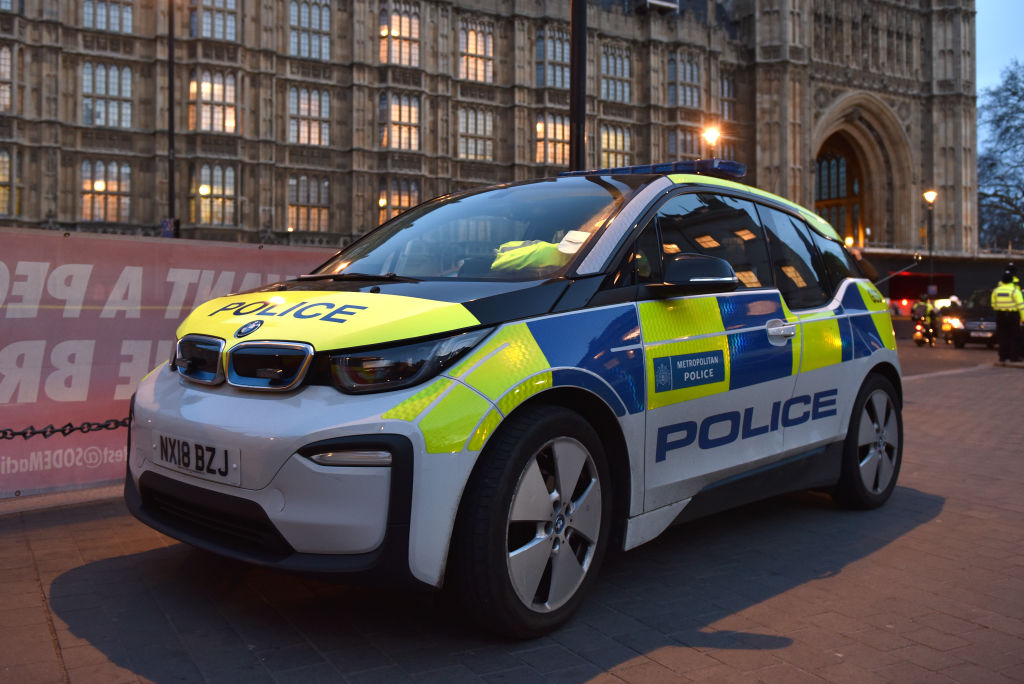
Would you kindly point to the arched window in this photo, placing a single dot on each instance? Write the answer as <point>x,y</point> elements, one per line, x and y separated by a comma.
<point>106,95</point>
<point>396,196</point>
<point>616,70</point>
<point>400,34</point>
<point>552,139</point>
<point>308,202</point>
<point>108,15</point>
<point>6,208</point>
<point>616,146</point>
<point>106,191</point>
<point>476,134</point>
<point>216,19</point>
<point>212,97</point>
<point>684,85</point>
<point>213,194</point>
<point>6,79</point>
<point>837,189</point>
<point>309,24</point>
<point>476,51</point>
<point>309,116</point>
<point>552,58</point>
<point>399,118</point>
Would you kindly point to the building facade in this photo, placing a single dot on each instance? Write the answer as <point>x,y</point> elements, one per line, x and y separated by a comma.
<point>311,121</point>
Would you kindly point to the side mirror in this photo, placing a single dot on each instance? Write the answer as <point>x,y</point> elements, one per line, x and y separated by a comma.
<point>688,274</point>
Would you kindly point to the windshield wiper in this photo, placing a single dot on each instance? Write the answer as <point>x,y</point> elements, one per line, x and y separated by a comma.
<point>347,275</point>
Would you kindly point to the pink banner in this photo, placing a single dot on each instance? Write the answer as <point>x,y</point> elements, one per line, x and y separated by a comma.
<point>82,319</point>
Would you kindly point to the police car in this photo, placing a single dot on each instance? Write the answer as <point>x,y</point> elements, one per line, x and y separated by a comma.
<point>493,388</point>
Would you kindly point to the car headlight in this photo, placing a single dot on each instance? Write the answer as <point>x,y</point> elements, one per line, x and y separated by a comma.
<point>380,370</point>
<point>955,323</point>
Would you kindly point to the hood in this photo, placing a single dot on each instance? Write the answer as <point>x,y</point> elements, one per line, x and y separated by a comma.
<point>326,320</point>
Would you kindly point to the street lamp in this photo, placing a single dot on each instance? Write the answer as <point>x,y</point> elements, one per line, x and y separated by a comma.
<point>929,197</point>
<point>711,134</point>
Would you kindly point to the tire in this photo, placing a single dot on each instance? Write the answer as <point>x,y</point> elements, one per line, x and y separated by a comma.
<point>920,343</point>
<point>525,553</point>
<point>959,344</point>
<point>873,449</point>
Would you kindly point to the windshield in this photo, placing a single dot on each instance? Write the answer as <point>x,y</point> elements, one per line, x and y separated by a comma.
<point>526,231</point>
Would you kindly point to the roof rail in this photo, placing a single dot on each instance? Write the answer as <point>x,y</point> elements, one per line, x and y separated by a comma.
<point>720,168</point>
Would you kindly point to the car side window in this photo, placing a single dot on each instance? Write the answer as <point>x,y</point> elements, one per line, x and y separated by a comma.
<point>641,264</point>
<point>799,273</point>
<point>720,226</point>
<point>838,262</point>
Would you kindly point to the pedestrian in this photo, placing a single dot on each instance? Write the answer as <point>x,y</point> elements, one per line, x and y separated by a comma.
<point>1008,303</point>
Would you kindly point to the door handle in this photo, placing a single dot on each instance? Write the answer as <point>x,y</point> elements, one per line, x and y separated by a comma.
<point>780,331</point>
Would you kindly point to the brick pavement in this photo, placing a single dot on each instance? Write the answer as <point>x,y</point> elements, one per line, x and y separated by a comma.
<point>929,588</point>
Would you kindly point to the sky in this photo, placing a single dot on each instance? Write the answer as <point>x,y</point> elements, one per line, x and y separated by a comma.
<point>998,41</point>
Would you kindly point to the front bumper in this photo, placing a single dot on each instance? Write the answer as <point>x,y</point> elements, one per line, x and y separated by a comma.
<point>240,528</point>
<point>284,510</point>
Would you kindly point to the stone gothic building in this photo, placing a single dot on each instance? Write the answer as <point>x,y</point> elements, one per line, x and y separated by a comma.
<point>311,121</point>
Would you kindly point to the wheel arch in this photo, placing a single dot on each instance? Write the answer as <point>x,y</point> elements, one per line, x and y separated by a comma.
<point>889,372</point>
<point>602,418</point>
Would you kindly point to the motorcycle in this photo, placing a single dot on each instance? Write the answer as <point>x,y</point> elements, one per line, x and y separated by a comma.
<point>924,331</point>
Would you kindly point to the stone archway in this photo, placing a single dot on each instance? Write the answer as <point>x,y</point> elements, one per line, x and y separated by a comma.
<point>867,132</point>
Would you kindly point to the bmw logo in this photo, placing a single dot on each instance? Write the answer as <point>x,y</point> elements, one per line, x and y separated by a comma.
<point>248,329</point>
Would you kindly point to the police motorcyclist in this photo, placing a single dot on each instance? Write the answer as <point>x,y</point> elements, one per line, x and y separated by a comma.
<point>1008,304</point>
<point>924,312</point>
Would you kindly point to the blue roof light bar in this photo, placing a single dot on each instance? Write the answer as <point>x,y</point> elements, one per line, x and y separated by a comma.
<point>720,168</point>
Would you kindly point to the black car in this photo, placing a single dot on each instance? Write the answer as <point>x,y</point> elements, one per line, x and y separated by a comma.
<point>976,323</point>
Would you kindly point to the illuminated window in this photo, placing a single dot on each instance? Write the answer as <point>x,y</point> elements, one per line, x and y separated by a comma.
<point>107,15</point>
<point>309,116</point>
<point>396,196</point>
<point>6,5</point>
<point>212,195</point>
<point>106,95</point>
<point>683,142</point>
<point>476,134</point>
<point>217,19</point>
<point>476,51</point>
<point>616,146</point>
<point>727,88</point>
<point>106,191</point>
<point>552,58</point>
<point>553,139</point>
<point>615,74</point>
<point>6,80</point>
<point>744,234</point>
<point>400,34</point>
<point>8,187</point>
<point>707,242</point>
<point>399,119</point>
<point>683,80</point>
<point>309,29</point>
<point>211,104</point>
<point>794,276</point>
<point>308,199</point>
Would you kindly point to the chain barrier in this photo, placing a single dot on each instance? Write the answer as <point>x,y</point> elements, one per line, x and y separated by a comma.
<point>67,429</point>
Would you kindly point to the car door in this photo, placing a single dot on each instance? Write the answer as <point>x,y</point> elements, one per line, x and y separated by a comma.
<point>810,294</point>
<point>720,367</point>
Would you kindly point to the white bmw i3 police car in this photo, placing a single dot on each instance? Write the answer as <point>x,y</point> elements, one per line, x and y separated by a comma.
<point>493,387</point>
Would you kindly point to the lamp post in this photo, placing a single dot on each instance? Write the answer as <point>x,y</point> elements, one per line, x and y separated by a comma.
<point>175,229</point>
<point>929,197</point>
<point>578,85</point>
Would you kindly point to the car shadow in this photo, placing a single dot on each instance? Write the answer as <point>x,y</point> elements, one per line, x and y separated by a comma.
<point>179,614</point>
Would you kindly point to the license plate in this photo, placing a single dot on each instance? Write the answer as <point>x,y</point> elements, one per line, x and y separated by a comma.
<point>210,462</point>
<point>984,333</point>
